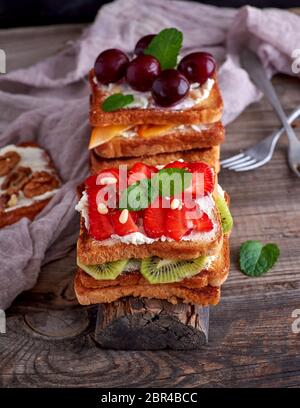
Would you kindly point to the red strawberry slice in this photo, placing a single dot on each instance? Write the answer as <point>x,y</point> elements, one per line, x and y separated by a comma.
<point>90,182</point>
<point>203,179</point>
<point>140,171</point>
<point>100,226</point>
<point>203,224</point>
<point>176,223</point>
<point>112,173</point>
<point>123,229</point>
<point>176,165</point>
<point>155,219</point>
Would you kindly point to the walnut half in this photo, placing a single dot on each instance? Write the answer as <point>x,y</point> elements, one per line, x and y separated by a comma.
<point>16,180</point>
<point>8,162</point>
<point>40,183</point>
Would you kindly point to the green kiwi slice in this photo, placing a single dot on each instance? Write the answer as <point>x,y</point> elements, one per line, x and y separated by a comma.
<point>157,270</point>
<point>106,271</point>
<point>226,218</point>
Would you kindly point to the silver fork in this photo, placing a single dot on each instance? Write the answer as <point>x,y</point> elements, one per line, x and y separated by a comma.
<point>257,73</point>
<point>259,154</point>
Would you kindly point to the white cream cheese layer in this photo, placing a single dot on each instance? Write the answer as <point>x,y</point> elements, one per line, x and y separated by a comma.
<point>34,158</point>
<point>144,100</point>
<point>206,204</point>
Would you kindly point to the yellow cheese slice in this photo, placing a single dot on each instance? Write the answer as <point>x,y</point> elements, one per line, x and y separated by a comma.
<point>151,131</point>
<point>101,135</point>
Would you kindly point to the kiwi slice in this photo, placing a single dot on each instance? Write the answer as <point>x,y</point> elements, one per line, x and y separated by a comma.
<point>226,218</point>
<point>157,270</point>
<point>106,271</point>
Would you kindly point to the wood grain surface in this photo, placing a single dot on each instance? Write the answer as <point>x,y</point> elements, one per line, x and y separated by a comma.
<point>50,338</point>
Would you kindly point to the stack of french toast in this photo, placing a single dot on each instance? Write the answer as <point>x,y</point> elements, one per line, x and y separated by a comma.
<point>155,223</point>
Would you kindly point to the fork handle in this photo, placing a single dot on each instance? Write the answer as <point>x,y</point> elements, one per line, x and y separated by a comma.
<point>270,93</point>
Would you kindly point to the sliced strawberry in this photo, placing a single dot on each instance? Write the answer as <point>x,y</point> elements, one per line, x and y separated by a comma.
<point>123,229</point>
<point>203,224</point>
<point>112,173</point>
<point>176,223</point>
<point>155,219</point>
<point>140,171</point>
<point>100,226</point>
<point>176,165</point>
<point>90,182</point>
<point>203,179</point>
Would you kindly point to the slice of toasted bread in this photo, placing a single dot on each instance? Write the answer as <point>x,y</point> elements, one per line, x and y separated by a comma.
<point>172,141</point>
<point>208,110</point>
<point>22,209</point>
<point>210,155</point>
<point>206,296</point>
<point>201,289</point>
<point>92,252</point>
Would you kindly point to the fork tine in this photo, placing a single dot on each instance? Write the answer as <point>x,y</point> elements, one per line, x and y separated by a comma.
<point>236,162</point>
<point>232,158</point>
<point>252,166</point>
<point>243,165</point>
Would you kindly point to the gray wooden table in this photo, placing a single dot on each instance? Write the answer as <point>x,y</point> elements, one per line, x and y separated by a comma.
<point>49,340</point>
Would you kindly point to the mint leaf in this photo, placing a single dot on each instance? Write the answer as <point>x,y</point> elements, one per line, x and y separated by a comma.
<point>256,258</point>
<point>165,47</point>
<point>138,196</point>
<point>172,181</point>
<point>116,101</point>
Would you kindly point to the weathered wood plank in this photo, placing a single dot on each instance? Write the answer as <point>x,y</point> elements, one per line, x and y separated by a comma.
<point>251,341</point>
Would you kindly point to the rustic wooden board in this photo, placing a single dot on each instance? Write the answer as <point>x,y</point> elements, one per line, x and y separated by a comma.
<point>251,339</point>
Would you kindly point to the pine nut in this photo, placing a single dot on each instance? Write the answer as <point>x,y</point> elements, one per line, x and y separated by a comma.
<point>176,204</point>
<point>102,209</point>
<point>12,201</point>
<point>124,216</point>
<point>108,180</point>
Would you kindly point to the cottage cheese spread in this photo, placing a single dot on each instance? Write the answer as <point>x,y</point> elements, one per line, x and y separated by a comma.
<point>143,100</point>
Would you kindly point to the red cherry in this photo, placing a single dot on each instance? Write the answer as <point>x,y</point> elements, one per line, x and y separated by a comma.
<point>169,87</point>
<point>110,66</point>
<point>142,71</point>
<point>142,44</point>
<point>198,67</point>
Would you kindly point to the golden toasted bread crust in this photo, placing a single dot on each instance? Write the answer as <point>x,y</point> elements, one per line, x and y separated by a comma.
<point>211,156</point>
<point>30,212</point>
<point>207,111</point>
<point>86,296</point>
<point>174,141</point>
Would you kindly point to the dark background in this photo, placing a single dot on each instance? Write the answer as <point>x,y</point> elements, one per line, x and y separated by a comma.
<point>16,13</point>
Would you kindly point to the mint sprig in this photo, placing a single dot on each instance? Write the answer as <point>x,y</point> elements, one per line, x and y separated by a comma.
<point>256,258</point>
<point>165,47</point>
<point>116,101</point>
<point>172,181</point>
<point>138,196</point>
